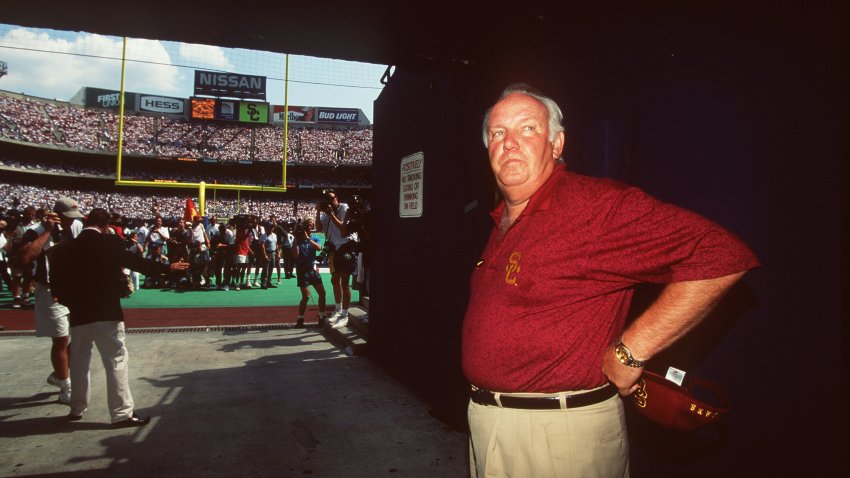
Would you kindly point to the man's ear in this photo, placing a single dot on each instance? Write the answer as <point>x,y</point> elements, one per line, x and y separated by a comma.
<point>558,145</point>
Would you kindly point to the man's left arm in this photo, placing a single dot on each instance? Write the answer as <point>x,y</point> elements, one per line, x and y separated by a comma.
<point>678,309</point>
<point>34,242</point>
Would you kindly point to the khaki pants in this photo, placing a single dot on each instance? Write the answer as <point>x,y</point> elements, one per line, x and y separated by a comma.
<point>109,339</point>
<point>588,441</point>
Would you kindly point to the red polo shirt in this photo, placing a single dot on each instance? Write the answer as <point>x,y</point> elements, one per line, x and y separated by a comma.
<point>554,291</point>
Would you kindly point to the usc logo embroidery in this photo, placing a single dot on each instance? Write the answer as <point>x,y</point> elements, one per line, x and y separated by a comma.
<point>640,394</point>
<point>512,269</point>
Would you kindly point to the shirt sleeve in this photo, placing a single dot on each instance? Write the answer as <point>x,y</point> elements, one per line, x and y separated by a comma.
<point>642,239</point>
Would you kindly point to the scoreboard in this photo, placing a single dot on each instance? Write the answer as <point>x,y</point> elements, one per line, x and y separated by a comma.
<point>229,110</point>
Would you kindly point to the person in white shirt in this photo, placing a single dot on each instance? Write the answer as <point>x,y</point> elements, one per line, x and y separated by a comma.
<point>330,218</point>
<point>200,247</point>
<point>270,244</point>
<point>142,234</point>
<point>158,236</point>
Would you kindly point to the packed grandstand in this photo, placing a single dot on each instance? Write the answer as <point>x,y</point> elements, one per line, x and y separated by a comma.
<point>50,149</point>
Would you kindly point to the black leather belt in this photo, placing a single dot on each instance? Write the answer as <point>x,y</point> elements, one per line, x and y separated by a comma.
<point>484,397</point>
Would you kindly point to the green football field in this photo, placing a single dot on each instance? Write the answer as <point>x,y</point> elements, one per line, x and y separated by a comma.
<point>286,294</point>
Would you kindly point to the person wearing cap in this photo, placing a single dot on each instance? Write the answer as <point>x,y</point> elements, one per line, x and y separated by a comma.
<point>544,343</point>
<point>96,317</point>
<point>51,317</point>
<point>22,281</point>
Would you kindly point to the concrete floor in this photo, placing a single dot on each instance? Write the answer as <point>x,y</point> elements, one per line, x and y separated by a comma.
<point>228,403</point>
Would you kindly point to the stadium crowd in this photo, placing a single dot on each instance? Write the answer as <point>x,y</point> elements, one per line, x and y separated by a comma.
<point>243,251</point>
<point>28,182</point>
<point>67,126</point>
<point>141,206</point>
<point>141,173</point>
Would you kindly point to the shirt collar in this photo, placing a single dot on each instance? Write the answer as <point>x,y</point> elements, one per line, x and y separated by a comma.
<point>540,200</point>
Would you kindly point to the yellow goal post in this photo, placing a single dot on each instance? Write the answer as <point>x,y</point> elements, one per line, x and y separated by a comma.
<point>202,186</point>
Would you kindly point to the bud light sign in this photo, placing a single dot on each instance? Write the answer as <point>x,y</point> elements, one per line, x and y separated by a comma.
<point>332,115</point>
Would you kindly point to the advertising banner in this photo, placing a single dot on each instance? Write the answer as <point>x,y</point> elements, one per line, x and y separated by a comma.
<point>230,110</point>
<point>253,112</point>
<point>231,85</point>
<point>203,108</point>
<point>160,104</point>
<point>336,115</point>
<point>100,98</point>
<point>227,110</point>
<point>297,114</point>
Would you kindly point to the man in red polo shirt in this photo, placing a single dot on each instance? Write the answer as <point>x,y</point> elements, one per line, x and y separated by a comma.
<point>544,344</point>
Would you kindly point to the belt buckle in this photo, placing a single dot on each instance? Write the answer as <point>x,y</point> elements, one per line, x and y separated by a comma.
<point>478,395</point>
<point>482,397</point>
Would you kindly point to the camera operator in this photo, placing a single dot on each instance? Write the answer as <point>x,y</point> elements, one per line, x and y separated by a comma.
<point>330,218</point>
<point>157,236</point>
<point>51,317</point>
<point>358,222</point>
<point>304,254</point>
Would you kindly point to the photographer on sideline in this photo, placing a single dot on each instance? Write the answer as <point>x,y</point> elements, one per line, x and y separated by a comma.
<point>51,317</point>
<point>304,255</point>
<point>331,219</point>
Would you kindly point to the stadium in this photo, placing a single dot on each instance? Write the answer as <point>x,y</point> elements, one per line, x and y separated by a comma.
<point>46,144</point>
<point>198,149</point>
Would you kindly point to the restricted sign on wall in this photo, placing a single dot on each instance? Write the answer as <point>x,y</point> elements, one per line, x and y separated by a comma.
<point>410,195</point>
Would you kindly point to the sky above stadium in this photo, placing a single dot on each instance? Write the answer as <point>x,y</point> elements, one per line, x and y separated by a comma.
<point>56,64</point>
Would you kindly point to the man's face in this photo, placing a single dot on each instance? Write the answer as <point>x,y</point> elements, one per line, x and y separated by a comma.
<point>521,155</point>
<point>332,199</point>
<point>66,221</point>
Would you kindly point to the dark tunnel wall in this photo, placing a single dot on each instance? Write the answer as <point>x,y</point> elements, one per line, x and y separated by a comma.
<point>734,115</point>
<point>420,293</point>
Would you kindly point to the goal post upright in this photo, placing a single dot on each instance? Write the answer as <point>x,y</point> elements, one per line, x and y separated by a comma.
<point>121,111</point>
<point>285,120</point>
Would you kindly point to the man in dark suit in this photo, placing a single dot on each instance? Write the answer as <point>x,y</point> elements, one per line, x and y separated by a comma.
<point>86,276</point>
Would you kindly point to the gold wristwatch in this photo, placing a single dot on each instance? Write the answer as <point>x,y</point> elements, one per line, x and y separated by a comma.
<point>624,355</point>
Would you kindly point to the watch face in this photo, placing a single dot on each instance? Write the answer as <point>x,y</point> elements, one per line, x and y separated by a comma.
<point>623,354</point>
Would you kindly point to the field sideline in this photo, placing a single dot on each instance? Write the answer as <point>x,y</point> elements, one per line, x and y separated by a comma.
<point>168,307</point>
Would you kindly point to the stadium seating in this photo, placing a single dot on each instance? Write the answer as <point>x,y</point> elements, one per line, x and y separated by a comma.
<point>328,158</point>
<point>47,123</point>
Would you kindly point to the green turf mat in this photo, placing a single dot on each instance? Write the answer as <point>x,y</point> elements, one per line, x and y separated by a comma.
<point>286,294</point>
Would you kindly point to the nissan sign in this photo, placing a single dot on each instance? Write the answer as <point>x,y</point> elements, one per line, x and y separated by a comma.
<point>161,104</point>
<point>230,85</point>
